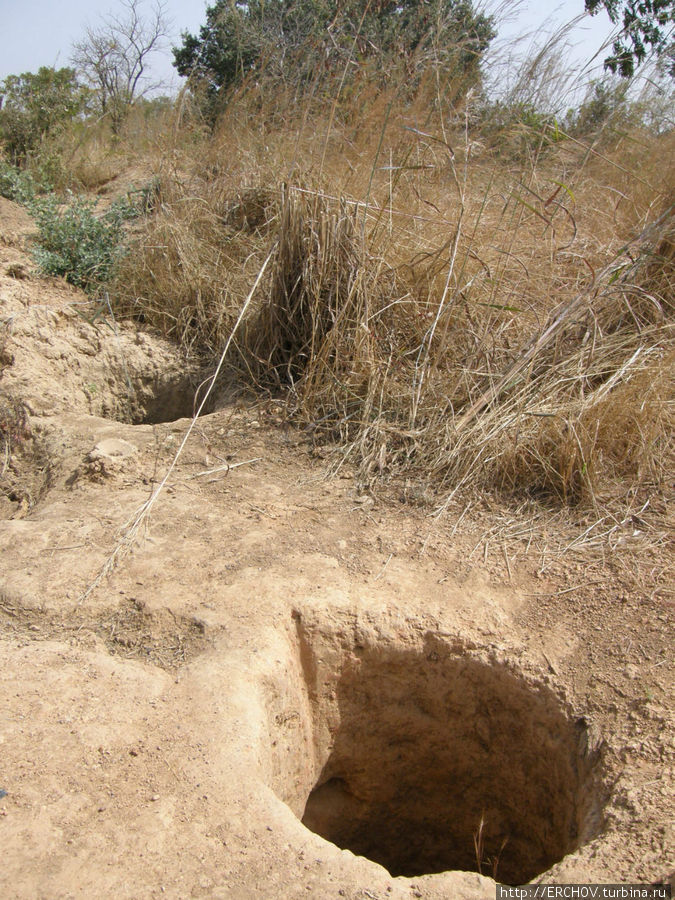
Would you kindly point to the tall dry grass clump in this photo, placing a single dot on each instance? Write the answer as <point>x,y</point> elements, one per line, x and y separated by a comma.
<point>193,257</point>
<point>429,366</point>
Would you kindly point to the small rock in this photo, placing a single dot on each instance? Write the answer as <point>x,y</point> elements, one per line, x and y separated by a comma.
<point>114,448</point>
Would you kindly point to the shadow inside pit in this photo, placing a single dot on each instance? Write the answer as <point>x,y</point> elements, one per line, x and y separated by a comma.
<point>443,761</point>
<point>165,399</point>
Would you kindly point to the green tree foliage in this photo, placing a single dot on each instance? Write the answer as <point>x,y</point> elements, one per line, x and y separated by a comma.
<point>295,41</point>
<point>647,25</point>
<point>32,105</point>
<point>604,104</point>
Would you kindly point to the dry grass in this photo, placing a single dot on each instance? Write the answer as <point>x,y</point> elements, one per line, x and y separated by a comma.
<point>437,309</point>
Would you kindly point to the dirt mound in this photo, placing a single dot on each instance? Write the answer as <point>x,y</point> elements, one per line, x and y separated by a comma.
<point>58,359</point>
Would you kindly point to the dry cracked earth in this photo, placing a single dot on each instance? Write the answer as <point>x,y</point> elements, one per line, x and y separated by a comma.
<point>289,687</point>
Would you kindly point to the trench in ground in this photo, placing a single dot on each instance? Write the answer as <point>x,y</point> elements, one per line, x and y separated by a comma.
<point>433,758</point>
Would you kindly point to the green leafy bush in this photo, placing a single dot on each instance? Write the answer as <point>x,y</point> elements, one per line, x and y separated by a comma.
<point>20,186</point>
<point>605,104</point>
<point>518,129</point>
<point>74,243</point>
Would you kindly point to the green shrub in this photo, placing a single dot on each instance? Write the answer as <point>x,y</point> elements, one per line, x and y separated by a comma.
<point>518,129</point>
<point>76,244</point>
<point>605,104</point>
<point>20,186</point>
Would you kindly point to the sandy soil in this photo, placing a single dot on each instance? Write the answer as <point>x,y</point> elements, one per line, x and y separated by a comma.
<point>278,646</point>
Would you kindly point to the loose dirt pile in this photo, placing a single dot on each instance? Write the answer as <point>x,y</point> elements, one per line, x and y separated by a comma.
<point>289,688</point>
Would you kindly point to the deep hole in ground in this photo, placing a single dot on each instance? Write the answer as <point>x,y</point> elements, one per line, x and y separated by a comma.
<point>162,398</point>
<point>433,759</point>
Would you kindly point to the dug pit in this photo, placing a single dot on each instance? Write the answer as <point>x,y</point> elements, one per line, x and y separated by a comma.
<point>150,400</point>
<point>430,757</point>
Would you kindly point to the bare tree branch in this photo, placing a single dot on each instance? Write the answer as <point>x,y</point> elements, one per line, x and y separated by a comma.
<point>113,56</point>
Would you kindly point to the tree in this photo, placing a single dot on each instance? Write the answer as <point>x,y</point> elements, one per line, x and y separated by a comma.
<point>647,24</point>
<point>605,103</point>
<point>293,40</point>
<point>33,104</point>
<point>114,56</point>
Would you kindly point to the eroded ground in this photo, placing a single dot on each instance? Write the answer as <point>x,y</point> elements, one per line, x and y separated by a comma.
<point>279,647</point>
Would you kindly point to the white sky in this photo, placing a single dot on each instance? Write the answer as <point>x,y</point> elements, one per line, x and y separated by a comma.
<point>36,33</point>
